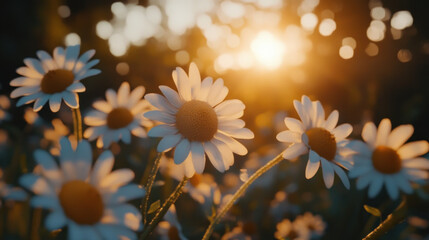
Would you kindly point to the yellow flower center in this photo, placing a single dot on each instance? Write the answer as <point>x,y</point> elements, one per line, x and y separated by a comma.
<point>197,121</point>
<point>119,117</point>
<point>195,180</point>
<point>386,160</point>
<point>322,142</point>
<point>81,202</point>
<point>56,81</point>
<point>173,233</point>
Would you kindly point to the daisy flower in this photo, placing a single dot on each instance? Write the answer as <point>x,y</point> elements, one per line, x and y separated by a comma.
<point>54,79</point>
<point>118,117</point>
<point>197,121</point>
<point>314,223</point>
<point>384,159</point>
<point>325,143</point>
<point>244,231</point>
<point>291,230</point>
<point>170,228</point>
<point>90,201</point>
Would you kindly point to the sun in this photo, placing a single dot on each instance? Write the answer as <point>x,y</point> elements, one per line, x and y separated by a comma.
<point>268,49</point>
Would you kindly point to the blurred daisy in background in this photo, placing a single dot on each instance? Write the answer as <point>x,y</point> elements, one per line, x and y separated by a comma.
<point>291,230</point>
<point>118,117</point>
<point>243,231</point>
<point>54,134</point>
<point>314,223</point>
<point>9,192</point>
<point>4,106</point>
<point>325,143</point>
<point>54,79</point>
<point>385,159</point>
<point>197,121</point>
<point>90,201</point>
<point>170,228</point>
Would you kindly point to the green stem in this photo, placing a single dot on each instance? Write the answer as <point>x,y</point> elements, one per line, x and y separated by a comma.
<point>77,123</point>
<point>392,220</point>
<point>239,192</point>
<point>164,208</point>
<point>149,184</point>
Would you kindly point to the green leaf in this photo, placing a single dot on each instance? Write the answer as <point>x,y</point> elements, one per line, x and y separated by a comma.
<point>154,206</point>
<point>372,210</point>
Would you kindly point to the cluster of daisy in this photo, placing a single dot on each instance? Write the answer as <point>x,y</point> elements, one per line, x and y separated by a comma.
<point>198,123</point>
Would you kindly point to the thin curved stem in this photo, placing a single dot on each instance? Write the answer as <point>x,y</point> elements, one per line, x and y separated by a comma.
<point>392,220</point>
<point>77,123</point>
<point>238,194</point>
<point>149,184</point>
<point>163,209</point>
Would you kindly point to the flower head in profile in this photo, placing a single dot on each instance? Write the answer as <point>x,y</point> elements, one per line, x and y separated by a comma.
<point>118,117</point>
<point>170,228</point>
<point>89,200</point>
<point>54,78</point>
<point>198,122</point>
<point>321,138</point>
<point>385,159</point>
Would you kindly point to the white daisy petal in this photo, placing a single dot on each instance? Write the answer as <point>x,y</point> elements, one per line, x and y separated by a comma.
<point>72,53</point>
<point>369,133</point>
<point>295,150</point>
<point>227,156</point>
<point>188,166</point>
<point>358,171</point>
<point>328,173</point>
<point>90,73</point>
<point>83,159</point>
<point>75,231</point>
<point>117,178</point>
<point>399,136</point>
<point>205,89</point>
<point>55,220</point>
<point>34,64</point>
<point>242,133</point>
<point>49,166</point>
<point>403,183</point>
<point>46,202</point>
<point>214,155</point>
<point>123,92</point>
<point>364,180</point>
<point>302,114</point>
<point>182,151</point>
<point>55,102</point>
<point>160,102</point>
<point>229,107</point>
<point>35,183</point>
<point>139,132</point>
<point>102,167</point>
<point>319,114</point>
<point>221,96</point>
<point>289,136</point>
<point>198,157</point>
<point>48,62</point>
<point>313,164</point>
<point>59,57</point>
<point>102,106</point>
<point>125,215</point>
<point>413,149</point>
<point>76,87</point>
<point>233,144</point>
<point>162,131</point>
<point>332,120</point>
<point>214,92</point>
<point>168,142</point>
<point>71,99</point>
<point>183,84</point>
<point>172,96</point>
<point>24,81</point>
<point>294,125</point>
<point>417,175</point>
<point>342,131</point>
<point>29,72</point>
<point>375,186</point>
<point>23,91</point>
<point>383,132</point>
<point>135,96</point>
<point>111,98</point>
<point>418,163</point>
<point>391,187</point>
<point>38,104</point>
<point>340,172</point>
<point>81,68</point>
<point>126,193</point>
<point>160,116</point>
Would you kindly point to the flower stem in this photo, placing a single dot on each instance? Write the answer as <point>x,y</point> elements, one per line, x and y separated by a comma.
<point>77,123</point>
<point>149,184</point>
<point>392,220</point>
<point>163,209</point>
<point>239,192</point>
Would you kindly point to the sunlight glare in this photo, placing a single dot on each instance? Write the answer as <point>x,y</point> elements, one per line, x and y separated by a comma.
<point>268,50</point>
